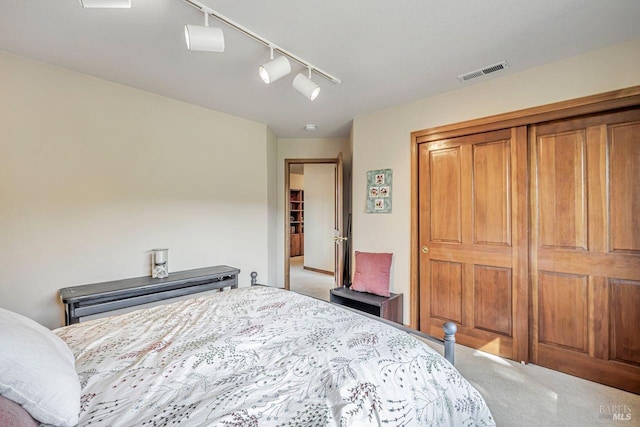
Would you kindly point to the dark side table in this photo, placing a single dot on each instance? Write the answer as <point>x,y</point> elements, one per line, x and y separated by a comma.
<point>389,308</point>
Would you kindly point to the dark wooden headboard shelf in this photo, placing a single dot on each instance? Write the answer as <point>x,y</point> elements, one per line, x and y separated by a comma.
<point>85,300</point>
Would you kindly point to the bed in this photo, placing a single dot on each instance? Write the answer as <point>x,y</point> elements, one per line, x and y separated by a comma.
<point>261,356</point>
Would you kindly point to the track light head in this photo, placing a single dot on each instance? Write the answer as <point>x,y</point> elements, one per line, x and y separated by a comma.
<point>205,39</point>
<point>306,86</point>
<point>105,4</point>
<point>275,69</point>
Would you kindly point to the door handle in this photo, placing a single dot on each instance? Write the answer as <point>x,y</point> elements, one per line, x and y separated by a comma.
<point>339,239</point>
<point>425,250</point>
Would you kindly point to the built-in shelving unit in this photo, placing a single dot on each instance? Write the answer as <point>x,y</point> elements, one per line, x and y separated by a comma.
<point>296,222</point>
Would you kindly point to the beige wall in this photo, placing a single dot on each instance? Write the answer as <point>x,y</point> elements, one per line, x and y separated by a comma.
<point>382,139</point>
<point>93,175</point>
<point>270,276</point>
<point>306,148</point>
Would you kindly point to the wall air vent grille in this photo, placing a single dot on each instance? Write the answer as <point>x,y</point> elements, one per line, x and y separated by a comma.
<point>482,71</point>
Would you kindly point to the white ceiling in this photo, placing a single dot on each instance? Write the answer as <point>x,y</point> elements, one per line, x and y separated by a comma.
<point>385,52</point>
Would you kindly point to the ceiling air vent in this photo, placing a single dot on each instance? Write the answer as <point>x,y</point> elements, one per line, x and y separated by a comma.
<point>482,71</point>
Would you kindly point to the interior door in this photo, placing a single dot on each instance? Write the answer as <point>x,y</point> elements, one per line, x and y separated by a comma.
<point>585,247</point>
<point>339,237</point>
<point>473,240</point>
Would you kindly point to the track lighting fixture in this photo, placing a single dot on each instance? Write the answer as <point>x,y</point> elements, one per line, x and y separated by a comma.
<point>211,39</point>
<point>204,38</point>
<point>306,86</point>
<point>105,4</point>
<point>274,69</point>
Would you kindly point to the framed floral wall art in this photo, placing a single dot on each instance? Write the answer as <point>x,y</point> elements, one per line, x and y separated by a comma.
<point>379,183</point>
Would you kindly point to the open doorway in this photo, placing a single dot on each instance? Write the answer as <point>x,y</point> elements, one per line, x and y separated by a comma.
<point>313,225</point>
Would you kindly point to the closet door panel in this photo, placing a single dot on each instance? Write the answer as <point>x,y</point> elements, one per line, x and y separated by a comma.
<point>563,307</point>
<point>584,257</point>
<point>625,345</point>
<point>493,299</point>
<point>491,210</point>
<point>471,271</point>
<point>446,290</point>
<point>562,191</point>
<point>445,195</point>
<point>624,140</point>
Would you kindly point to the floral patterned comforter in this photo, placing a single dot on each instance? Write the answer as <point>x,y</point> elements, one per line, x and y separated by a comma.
<point>263,356</point>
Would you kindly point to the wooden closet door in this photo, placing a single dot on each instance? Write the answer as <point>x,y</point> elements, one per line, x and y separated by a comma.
<point>585,247</point>
<point>473,240</point>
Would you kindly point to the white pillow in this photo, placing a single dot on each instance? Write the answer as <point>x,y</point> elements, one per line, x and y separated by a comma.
<point>37,371</point>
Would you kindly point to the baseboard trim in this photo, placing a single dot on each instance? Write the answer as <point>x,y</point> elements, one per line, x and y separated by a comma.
<point>317,270</point>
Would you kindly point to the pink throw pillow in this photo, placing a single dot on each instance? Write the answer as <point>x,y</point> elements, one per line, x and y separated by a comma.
<point>372,273</point>
<point>14,415</point>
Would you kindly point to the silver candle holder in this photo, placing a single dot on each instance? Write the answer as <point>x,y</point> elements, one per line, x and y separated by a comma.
<point>160,263</point>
